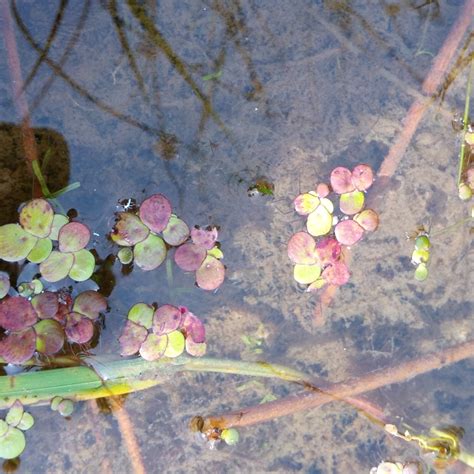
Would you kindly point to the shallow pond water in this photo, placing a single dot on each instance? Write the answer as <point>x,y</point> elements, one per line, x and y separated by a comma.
<point>198,100</point>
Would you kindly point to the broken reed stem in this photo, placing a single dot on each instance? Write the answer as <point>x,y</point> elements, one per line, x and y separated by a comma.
<point>19,99</point>
<point>340,391</point>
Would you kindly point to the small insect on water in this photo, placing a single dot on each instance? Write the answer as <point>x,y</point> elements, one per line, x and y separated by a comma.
<point>127,205</point>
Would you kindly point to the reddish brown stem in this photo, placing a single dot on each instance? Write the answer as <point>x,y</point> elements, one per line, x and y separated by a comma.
<point>340,391</point>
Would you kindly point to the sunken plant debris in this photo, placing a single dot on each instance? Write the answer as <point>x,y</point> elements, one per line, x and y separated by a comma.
<point>318,253</point>
<point>147,232</point>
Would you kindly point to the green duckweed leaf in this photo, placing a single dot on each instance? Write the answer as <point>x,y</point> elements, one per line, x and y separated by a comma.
<point>12,443</point>
<point>59,220</point>
<point>176,232</point>
<point>420,256</point>
<point>154,347</point>
<point>306,203</point>
<point>150,253</point>
<point>196,349</point>
<point>49,336</point>
<point>15,413</point>
<point>90,303</point>
<point>55,403</point>
<point>216,252</point>
<point>36,217</point>
<point>56,266</point>
<point>83,266</point>
<point>176,344</point>
<point>73,237</point>
<point>230,436</point>
<point>422,242</point>
<point>3,427</point>
<point>352,203</point>
<point>125,255</point>
<point>40,251</point>
<point>129,230</point>
<point>27,421</point>
<point>421,272</point>
<point>319,222</point>
<point>306,274</point>
<point>15,242</point>
<point>66,407</point>
<point>141,314</point>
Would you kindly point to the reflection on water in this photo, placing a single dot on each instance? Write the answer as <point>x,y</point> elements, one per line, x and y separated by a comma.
<point>202,101</point>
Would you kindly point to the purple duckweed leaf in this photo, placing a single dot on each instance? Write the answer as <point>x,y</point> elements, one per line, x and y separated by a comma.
<point>302,249</point>
<point>49,336</point>
<point>45,304</point>
<point>341,180</point>
<point>204,238</point>
<point>193,327</point>
<point>362,177</point>
<point>189,257</point>
<point>90,304</point>
<point>4,284</point>
<point>79,328</point>
<point>154,347</point>
<point>132,337</point>
<point>36,217</point>
<point>167,318</point>
<point>336,274</point>
<point>322,190</point>
<point>348,232</point>
<point>73,237</point>
<point>18,347</point>
<point>210,275</point>
<point>16,313</point>
<point>129,230</point>
<point>328,250</point>
<point>155,212</point>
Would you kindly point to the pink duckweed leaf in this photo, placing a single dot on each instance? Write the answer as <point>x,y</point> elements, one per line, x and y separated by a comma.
<point>176,232</point>
<point>36,217</point>
<point>79,328</point>
<point>352,203</point>
<point>319,222</point>
<point>4,284</point>
<point>210,275</point>
<point>56,266</point>
<point>129,230</point>
<point>341,180</point>
<point>167,318</point>
<point>204,238</point>
<point>16,313</point>
<point>348,232</point>
<point>132,337</point>
<point>90,303</point>
<point>150,253</point>
<point>45,304</point>
<point>336,274</point>
<point>154,347</point>
<point>142,314</point>
<point>328,250</point>
<point>367,219</point>
<point>15,242</point>
<point>306,203</point>
<point>362,177</point>
<point>302,249</point>
<point>73,236</point>
<point>193,328</point>
<point>49,336</point>
<point>18,347</point>
<point>322,190</point>
<point>196,349</point>
<point>155,212</point>
<point>189,257</point>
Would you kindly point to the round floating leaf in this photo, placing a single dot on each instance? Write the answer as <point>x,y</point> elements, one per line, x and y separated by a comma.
<point>125,255</point>
<point>327,203</point>
<point>420,256</point>
<point>16,313</point>
<point>367,219</point>
<point>129,230</point>
<point>316,285</point>
<point>90,303</point>
<point>150,253</point>
<point>422,242</point>
<point>46,304</point>
<point>73,237</point>
<point>196,349</point>
<point>15,413</point>
<point>306,274</point>
<point>348,232</point>
<point>26,422</point>
<point>322,190</point>
<point>79,328</point>
<point>15,242</point>
<point>210,275</point>
<point>216,252</point>
<point>230,436</point>
<point>55,403</point>
<point>362,177</point>
<point>328,250</point>
<point>59,220</point>
<point>18,347</point>
<point>464,192</point>
<point>302,249</point>
<point>421,272</point>
<point>319,222</point>
<point>132,337</point>
<point>189,257</point>
<point>4,284</point>
<point>83,266</point>
<point>204,237</point>
<point>167,318</point>
<point>49,336</point>
<point>141,314</point>
<point>193,328</point>
<point>175,345</point>
<point>40,251</point>
<point>154,347</point>
<point>56,266</point>
<point>3,427</point>
<point>12,443</point>
<point>352,203</point>
<point>155,212</point>
<point>306,203</point>
<point>65,407</point>
<point>36,217</point>
<point>341,180</point>
<point>336,274</point>
<point>37,286</point>
<point>176,232</point>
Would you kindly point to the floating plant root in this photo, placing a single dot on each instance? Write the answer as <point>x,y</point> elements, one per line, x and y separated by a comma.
<point>342,391</point>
